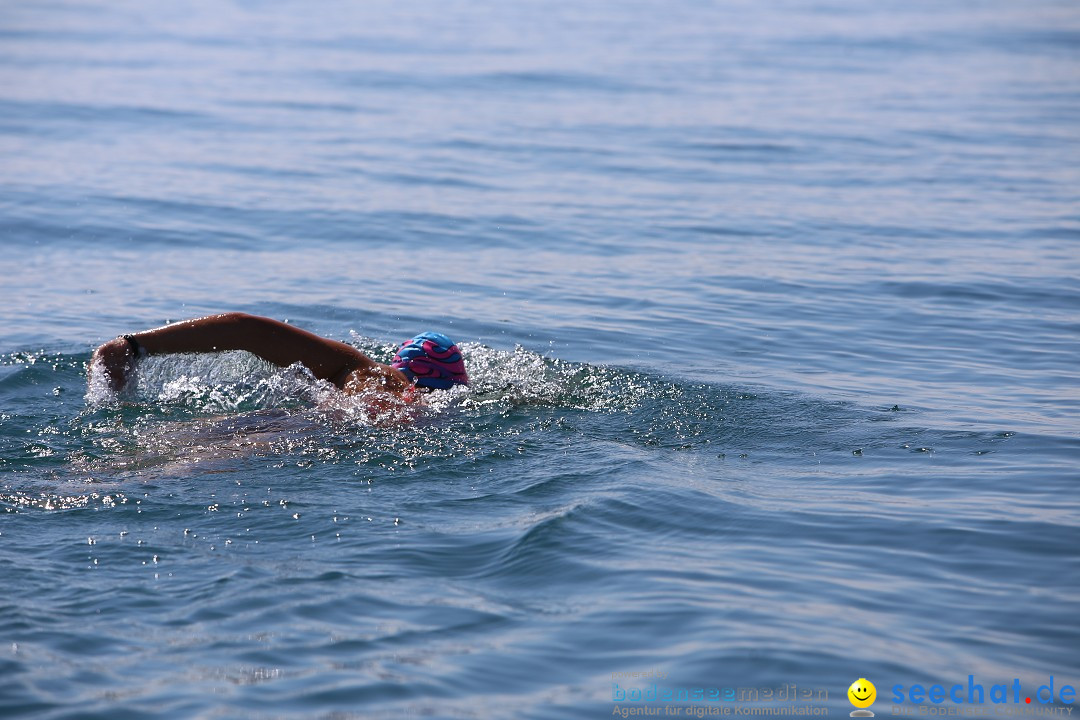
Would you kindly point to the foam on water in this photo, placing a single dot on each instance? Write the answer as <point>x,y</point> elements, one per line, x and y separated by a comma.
<point>187,410</point>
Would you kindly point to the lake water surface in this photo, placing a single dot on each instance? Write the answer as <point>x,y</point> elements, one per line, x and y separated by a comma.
<point>772,312</point>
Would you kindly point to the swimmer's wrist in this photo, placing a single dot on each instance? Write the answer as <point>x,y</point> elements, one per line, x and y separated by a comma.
<point>136,348</point>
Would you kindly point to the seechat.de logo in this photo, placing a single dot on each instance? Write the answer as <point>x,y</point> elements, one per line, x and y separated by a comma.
<point>862,695</point>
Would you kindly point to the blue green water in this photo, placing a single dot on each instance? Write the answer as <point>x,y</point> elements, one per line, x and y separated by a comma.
<point>772,312</point>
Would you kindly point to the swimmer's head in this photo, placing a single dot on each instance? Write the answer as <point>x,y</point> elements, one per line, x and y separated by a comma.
<point>431,360</point>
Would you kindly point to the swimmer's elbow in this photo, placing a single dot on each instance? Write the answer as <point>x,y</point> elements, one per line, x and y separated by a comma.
<point>245,325</point>
<point>238,318</point>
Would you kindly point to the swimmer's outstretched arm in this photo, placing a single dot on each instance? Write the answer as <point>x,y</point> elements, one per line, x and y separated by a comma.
<point>271,340</point>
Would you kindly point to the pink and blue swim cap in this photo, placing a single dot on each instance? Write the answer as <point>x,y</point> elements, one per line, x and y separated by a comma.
<point>432,360</point>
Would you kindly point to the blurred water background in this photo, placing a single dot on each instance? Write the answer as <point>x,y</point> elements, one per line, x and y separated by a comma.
<point>772,311</point>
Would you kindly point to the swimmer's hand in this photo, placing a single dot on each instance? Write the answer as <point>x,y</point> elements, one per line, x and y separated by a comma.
<point>116,359</point>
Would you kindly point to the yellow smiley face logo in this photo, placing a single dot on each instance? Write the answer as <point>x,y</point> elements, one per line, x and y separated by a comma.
<point>862,693</point>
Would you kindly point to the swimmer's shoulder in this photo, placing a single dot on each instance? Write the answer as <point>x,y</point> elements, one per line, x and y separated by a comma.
<point>372,377</point>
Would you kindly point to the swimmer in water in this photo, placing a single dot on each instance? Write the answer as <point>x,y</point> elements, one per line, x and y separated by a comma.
<point>426,362</point>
